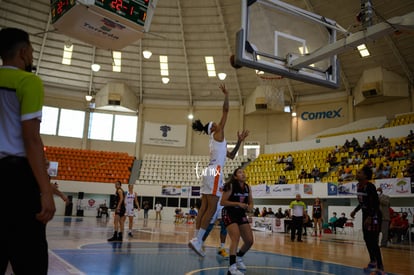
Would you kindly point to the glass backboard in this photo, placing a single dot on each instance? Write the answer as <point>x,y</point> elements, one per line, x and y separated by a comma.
<point>279,38</point>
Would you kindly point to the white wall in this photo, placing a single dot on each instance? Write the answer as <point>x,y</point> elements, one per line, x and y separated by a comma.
<point>392,132</point>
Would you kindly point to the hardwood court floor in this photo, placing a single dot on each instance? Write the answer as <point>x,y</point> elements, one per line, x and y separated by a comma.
<point>78,246</point>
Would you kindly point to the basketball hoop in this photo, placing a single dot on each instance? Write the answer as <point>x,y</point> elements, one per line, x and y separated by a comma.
<point>273,88</point>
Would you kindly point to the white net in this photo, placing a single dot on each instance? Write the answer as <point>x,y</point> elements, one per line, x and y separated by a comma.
<point>274,91</point>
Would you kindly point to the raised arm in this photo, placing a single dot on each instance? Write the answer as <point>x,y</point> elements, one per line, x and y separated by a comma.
<point>223,120</point>
<point>240,138</point>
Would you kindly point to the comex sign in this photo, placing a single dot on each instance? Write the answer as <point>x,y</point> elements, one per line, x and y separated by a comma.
<point>321,115</point>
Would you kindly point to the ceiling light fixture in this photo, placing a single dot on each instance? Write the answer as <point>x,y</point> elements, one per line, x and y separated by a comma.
<point>147,54</point>
<point>222,76</point>
<point>165,80</point>
<point>190,116</point>
<point>95,67</point>
<point>363,50</point>
<point>88,97</point>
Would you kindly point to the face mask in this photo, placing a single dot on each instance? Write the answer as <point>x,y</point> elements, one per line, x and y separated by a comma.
<point>379,193</point>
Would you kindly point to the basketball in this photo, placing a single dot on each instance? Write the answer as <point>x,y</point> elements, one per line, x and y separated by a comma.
<point>233,63</point>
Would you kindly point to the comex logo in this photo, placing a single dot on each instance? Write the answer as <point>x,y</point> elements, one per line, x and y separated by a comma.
<point>208,171</point>
<point>321,115</point>
<point>165,129</point>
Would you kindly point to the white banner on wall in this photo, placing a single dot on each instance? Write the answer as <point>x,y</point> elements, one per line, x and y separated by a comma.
<point>390,186</point>
<point>268,224</point>
<point>277,190</point>
<point>164,134</point>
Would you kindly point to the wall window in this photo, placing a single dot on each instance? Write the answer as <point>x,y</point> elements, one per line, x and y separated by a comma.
<point>100,126</point>
<point>125,128</point>
<point>50,116</point>
<point>71,123</point>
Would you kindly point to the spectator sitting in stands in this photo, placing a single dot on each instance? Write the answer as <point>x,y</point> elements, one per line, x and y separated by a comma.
<point>346,174</point>
<point>280,159</point>
<point>398,226</point>
<point>410,136</point>
<point>103,210</point>
<point>289,166</point>
<point>346,145</point>
<point>289,163</point>
<point>357,159</point>
<point>256,212</point>
<point>354,144</point>
<point>192,211</point>
<point>270,212</point>
<point>315,173</point>
<point>289,158</point>
<point>370,163</point>
<point>340,222</point>
<point>332,221</point>
<point>279,214</point>
<point>393,155</point>
<point>408,171</point>
<point>331,159</point>
<point>379,172</point>
<point>264,212</point>
<point>178,215</point>
<point>386,171</point>
<point>303,174</point>
<point>282,179</point>
<point>192,214</point>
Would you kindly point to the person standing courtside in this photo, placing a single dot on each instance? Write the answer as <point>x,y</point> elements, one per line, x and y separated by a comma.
<point>213,177</point>
<point>385,211</point>
<point>22,159</point>
<point>119,217</point>
<point>158,209</point>
<point>297,211</point>
<point>131,201</point>
<point>371,217</point>
<point>317,213</point>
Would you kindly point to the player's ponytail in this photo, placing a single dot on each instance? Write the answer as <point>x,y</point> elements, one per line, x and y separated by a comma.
<point>199,127</point>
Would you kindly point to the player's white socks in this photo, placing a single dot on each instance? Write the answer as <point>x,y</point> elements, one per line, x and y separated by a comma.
<point>200,234</point>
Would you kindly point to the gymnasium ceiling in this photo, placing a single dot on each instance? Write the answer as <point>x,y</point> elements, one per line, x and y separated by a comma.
<point>188,30</point>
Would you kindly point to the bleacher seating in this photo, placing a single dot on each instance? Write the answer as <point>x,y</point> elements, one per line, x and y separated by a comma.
<point>90,165</point>
<point>179,169</point>
<point>401,119</point>
<point>266,169</point>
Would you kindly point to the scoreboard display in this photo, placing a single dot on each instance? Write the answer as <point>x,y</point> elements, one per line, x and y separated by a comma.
<point>135,11</point>
<point>103,23</point>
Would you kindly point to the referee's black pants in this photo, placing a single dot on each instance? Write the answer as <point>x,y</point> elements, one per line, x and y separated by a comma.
<point>296,228</point>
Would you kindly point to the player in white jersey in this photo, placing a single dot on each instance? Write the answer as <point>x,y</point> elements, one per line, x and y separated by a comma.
<point>131,200</point>
<point>213,175</point>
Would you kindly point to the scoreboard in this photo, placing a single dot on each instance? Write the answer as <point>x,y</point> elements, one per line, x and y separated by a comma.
<point>106,24</point>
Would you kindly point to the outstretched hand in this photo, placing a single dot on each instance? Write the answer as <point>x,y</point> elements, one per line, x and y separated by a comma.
<point>241,136</point>
<point>223,89</point>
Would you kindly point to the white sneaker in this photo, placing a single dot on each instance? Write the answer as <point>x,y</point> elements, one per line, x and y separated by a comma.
<point>240,264</point>
<point>195,245</point>
<point>234,271</point>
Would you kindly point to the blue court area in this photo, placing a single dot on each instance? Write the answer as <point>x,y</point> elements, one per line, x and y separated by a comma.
<point>178,259</point>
